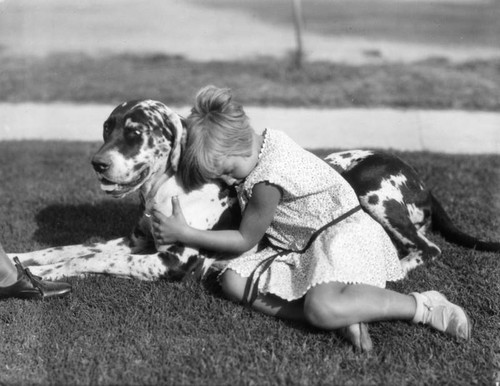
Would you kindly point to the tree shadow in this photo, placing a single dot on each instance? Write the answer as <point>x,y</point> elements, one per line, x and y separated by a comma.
<point>60,224</point>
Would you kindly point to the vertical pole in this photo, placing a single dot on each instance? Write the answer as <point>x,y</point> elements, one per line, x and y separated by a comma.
<point>298,23</point>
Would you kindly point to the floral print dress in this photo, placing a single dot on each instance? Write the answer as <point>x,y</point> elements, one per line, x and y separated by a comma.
<point>302,248</point>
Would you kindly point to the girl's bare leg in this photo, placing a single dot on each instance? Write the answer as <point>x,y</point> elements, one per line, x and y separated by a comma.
<point>329,306</point>
<point>335,305</point>
<point>234,287</point>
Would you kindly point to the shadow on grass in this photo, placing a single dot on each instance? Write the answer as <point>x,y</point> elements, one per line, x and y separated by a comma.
<point>76,224</point>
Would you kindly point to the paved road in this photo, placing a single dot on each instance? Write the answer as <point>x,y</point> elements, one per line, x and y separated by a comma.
<point>437,131</point>
<point>190,29</point>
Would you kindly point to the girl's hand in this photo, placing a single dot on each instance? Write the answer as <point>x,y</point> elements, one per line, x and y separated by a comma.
<point>168,230</point>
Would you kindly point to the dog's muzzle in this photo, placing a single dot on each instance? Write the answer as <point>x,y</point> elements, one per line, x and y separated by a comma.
<point>116,189</point>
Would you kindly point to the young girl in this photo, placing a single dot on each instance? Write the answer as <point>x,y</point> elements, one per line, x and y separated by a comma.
<point>326,261</point>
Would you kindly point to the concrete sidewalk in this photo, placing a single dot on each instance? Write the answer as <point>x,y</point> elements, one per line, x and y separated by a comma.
<point>414,130</point>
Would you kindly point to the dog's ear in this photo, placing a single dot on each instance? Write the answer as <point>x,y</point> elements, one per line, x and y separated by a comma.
<point>177,134</point>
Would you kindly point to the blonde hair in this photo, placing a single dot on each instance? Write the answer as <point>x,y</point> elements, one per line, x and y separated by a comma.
<point>216,128</point>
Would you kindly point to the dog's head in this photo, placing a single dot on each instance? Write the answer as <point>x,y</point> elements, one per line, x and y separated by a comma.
<point>142,141</point>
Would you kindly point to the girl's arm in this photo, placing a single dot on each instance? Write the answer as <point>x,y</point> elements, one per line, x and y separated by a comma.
<point>257,217</point>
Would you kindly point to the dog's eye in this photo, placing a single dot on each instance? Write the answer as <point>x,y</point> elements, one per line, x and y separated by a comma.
<point>107,128</point>
<point>133,134</point>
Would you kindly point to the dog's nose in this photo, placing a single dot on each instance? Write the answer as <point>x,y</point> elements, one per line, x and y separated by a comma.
<point>100,166</point>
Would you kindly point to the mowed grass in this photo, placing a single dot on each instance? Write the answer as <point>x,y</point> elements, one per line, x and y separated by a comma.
<point>431,84</point>
<point>118,331</point>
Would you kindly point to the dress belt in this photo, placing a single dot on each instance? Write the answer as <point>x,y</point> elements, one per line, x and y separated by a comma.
<point>265,264</point>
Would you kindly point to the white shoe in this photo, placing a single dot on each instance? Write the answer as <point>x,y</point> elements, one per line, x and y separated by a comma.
<point>435,310</point>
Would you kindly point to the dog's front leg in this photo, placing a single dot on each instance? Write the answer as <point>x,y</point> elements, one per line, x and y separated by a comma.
<point>66,253</point>
<point>141,267</point>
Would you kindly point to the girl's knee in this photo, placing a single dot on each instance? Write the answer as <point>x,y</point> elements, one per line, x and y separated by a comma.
<point>324,312</point>
<point>233,285</point>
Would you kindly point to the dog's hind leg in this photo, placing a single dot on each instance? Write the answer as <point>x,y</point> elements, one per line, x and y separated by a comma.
<point>414,248</point>
<point>391,192</point>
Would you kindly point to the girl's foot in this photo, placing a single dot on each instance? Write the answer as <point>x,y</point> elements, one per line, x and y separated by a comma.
<point>435,310</point>
<point>358,335</point>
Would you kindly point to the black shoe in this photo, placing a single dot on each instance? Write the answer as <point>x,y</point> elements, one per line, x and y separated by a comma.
<point>29,286</point>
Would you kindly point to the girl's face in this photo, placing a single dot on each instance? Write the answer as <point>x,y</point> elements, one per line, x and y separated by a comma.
<point>236,168</point>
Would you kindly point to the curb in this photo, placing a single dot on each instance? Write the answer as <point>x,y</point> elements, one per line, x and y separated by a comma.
<point>448,131</point>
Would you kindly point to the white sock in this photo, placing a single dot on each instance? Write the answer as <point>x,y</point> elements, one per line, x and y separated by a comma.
<point>420,310</point>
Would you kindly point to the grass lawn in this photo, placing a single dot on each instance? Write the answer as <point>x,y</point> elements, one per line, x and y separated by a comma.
<point>117,331</point>
<point>432,84</point>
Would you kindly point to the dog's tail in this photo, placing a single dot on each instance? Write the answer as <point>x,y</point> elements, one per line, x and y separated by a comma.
<point>442,223</point>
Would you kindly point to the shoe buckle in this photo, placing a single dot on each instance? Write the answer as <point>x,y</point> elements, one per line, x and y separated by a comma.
<point>34,281</point>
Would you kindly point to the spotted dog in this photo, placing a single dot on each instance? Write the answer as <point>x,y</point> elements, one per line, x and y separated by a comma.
<point>143,142</point>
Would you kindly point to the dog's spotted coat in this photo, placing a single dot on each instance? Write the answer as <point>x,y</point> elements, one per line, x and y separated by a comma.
<point>143,143</point>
